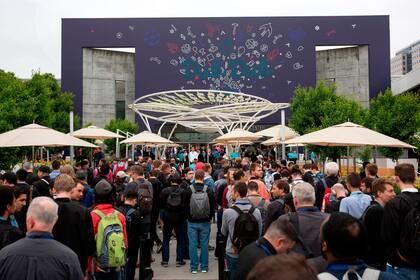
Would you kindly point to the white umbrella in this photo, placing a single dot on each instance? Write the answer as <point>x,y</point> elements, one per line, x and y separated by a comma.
<point>34,135</point>
<point>238,135</point>
<point>348,134</point>
<point>146,138</point>
<point>94,132</point>
<point>275,132</point>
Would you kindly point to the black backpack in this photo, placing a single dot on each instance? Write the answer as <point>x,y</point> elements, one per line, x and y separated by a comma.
<point>145,201</point>
<point>409,248</point>
<point>246,229</point>
<point>174,199</point>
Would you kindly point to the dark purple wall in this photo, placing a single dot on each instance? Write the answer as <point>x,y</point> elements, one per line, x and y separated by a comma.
<point>264,56</point>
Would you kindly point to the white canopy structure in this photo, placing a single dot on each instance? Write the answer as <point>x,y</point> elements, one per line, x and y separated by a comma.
<point>35,135</point>
<point>94,132</point>
<point>146,138</point>
<point>348,134</point>
<point>204,110</point>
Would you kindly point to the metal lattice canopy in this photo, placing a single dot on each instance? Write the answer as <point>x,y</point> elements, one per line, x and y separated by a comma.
<point>205,110</point>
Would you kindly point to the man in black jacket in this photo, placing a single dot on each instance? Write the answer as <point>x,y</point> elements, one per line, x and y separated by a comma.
<point>9,230</point>
<point>74,226</point>
<point>395,212</point>
<point>43,185</point>
<point>372,218</point>
<point>276,208</point>
<point>279,239</point>
<point>39,256</point>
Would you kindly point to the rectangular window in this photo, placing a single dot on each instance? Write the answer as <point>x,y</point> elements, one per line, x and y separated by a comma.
<point>120,99</point>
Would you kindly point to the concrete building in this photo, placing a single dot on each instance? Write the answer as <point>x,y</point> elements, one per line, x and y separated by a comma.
<point>108,86</point>
<point>406,60</point>
<point>348,68</point>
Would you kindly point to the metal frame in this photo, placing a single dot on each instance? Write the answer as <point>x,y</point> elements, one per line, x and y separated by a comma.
<point>204,109</point>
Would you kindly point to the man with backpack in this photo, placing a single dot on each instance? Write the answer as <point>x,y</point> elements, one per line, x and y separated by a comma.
<point>256,200</point>
<point>109,227</point>
<point>344,241</point>
<point>241,224</point>
<point>134,230</point>
<point>401,226</point>
<point>173,200</point>
<point>200,201</point>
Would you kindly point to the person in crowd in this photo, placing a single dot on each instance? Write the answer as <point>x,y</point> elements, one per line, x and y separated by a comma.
<point>9,179</point>
<point>23,195</point>
<point>366,185</point>
<point>98,155</point>
<point>102,172</point>
<point>343,243</point>
<point>87,199</point>
<point>157,189</point>
<point>256,176</point>
<point>39,256</point>
<point>43,186</point>
<point>104,196</point>
<point>31,178</point>
<point>339,192</point>
<point>296,175</point>
<point>307,219</point>
<point>120,182</point>
<point>76,193</point>
<point>276,208</point>
<point>192,155</point>
<point>308,176</point>
<point>67,169</point>
<point>242,205</point>
<point>256,200</point>
<point>56,169</point>
<point>285,267</point>
<point>371,171</point>
<point>200,201</point>
<point>9,229</point>
<point>383,190</point>
<point>400,221</point>
<point>174,202</point>
<point>134,231</point>
<point>208,180</point>
<point>324,185</point>
<point>74,225</point>
<point>279,238</point>
<point>357,202</point>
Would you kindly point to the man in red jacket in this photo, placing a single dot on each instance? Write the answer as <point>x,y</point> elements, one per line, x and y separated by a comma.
<point>105,195</point>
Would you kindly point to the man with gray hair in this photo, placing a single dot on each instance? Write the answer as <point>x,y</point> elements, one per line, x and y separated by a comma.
<point>323,186</point>
<point>39,256</point>
<point>307,220</point>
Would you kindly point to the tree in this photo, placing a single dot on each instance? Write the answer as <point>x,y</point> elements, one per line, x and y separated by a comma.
<point>319,107</point>
<point>397,116</point>
<point>120,124</point>
<point>37,100</point>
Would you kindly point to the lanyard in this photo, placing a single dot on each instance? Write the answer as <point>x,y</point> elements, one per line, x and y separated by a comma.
<point>40,235</point>
<point>345,267</point>
<point>265,248</point>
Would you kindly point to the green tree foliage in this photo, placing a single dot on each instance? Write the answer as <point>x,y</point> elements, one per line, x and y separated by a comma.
<point>37,100</point>
<point>397,116</point>
<point>120,124</point>
<point>319,107</point>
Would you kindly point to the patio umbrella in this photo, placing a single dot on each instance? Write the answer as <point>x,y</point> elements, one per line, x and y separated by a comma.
<point>94,132</point>
<point>237,135</point>
<point>146,138</point>
<point>34,135</point>
<point>275,132</point>
<point>348,134</point>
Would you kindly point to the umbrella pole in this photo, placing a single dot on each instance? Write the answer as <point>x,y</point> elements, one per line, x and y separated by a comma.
<point>374,154</point>
<point>348,160</point>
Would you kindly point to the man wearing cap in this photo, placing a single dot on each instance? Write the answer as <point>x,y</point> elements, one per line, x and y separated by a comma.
<point>42,186</point>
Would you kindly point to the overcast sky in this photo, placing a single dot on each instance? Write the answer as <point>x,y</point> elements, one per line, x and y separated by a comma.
<point>30,30</point>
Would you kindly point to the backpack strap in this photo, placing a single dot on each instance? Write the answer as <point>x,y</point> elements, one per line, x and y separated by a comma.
<point>237,209</point>
<point>326,276</point>
<point>371,274</point>
<point>205,188</point>
<point>99,213</point>
<point>192,189</point>
<point>405,198</point>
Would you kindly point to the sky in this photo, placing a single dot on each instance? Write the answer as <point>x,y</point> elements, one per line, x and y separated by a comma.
<point>30,30</point>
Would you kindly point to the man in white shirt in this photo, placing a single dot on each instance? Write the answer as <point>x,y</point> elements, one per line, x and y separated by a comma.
<point>192,155</point>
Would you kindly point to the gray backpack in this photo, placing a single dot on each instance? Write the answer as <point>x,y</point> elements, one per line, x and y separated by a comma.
<point>199,203</point>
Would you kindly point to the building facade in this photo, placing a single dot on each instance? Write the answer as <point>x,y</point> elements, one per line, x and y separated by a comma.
<point>406,60</point>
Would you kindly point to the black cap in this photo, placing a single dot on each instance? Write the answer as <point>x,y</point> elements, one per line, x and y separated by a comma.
<point>44,168</point>
<point>103,188</point>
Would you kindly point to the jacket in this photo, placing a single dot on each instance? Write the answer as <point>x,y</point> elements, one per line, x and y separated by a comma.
<point>262,190</point>
<point>34,258</point>
<point>251,255</point>
<point>178,215</point>
<point>320,189</point>
<point>133,227</point>
<point>8,233</point>
<point>42,186</point>
<point>188,194</point>
<point>274,211</point>
<point>74,229</point>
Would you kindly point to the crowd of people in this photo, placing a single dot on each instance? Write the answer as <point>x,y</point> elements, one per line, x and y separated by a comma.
<point>275,220</point>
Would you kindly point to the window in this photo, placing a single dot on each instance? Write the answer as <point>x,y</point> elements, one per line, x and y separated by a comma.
<point>120,99</point>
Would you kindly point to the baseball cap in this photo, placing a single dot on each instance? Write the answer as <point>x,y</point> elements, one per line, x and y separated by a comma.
<point>121,174</point>
<point>44,168</point>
